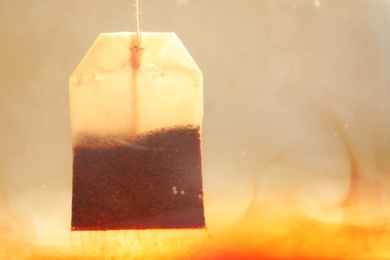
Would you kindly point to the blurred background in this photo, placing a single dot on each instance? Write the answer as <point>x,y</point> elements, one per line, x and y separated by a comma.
<point>296,133</point>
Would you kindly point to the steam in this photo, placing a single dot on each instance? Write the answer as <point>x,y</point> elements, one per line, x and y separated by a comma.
<point>340,212</point>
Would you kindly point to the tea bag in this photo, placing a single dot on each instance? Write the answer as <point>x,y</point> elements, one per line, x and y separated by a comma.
<point>136,117</point>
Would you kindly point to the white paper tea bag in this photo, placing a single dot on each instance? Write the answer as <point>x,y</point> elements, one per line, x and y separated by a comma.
<point>136,116</point>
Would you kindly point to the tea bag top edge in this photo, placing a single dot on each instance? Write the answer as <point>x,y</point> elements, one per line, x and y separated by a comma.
<point>112,51</point>
<point>109,96</point>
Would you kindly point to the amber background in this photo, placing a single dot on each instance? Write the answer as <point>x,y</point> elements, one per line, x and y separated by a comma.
<point>297,103</point>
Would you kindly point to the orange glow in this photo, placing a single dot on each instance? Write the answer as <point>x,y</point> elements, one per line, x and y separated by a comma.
<point>260,234</point>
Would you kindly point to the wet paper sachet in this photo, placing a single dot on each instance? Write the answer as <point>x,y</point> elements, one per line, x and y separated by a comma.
<point>136,117</point>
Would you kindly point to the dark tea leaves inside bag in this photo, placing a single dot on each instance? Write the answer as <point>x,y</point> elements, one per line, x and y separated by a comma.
<point>153,181</point>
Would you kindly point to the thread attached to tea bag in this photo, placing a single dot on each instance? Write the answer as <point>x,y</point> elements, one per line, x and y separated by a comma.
<point>136,45</point>
<point>136,41</point>
<point>137,23</point>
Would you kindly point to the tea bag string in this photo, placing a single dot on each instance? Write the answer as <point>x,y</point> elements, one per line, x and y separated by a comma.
<point>138,33</point>
<point>137,21</point>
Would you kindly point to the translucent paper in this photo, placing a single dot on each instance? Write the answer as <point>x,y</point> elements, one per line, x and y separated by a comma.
<point>109,97</point>
<point>136,116</point>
